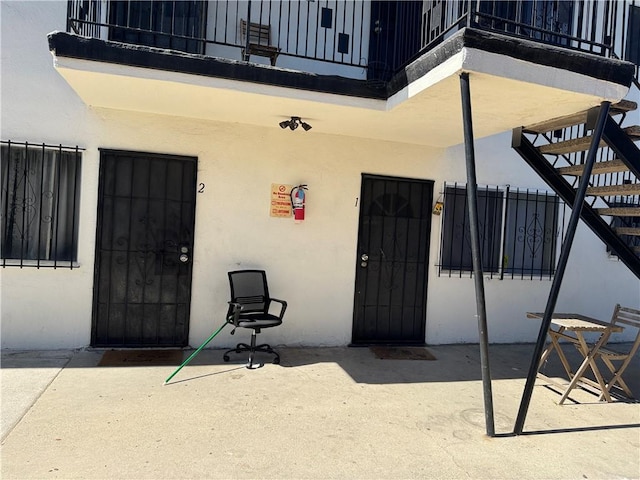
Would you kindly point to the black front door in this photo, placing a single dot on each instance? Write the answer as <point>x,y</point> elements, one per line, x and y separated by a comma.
<point>392,263</point>
<point>144,249</point>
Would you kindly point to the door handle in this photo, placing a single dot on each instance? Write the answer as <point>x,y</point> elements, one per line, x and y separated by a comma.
<point>184,257</point>
<point>364,259</point>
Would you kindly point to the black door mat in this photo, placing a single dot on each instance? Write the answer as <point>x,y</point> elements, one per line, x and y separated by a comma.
<point>140,358</point>
<point>402,353</point>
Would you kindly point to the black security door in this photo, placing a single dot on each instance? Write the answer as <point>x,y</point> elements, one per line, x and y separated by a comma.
<point>142,287</point>
<point>392,263</point>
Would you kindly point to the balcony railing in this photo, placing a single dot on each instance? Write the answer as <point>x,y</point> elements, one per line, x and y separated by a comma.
<point>370,39</point>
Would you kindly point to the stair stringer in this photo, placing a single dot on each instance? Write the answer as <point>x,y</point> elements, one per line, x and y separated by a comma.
<point>594,221</point>
<point>622,145</point>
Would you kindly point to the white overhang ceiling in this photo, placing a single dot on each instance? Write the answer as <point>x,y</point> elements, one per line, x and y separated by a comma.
<point>506,93</point>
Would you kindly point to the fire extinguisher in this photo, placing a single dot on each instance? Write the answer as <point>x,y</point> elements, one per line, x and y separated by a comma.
<point>297,201</point>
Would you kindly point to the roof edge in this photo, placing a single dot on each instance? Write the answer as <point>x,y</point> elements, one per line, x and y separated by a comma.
<point>620,72</point>
<point>65,44</point>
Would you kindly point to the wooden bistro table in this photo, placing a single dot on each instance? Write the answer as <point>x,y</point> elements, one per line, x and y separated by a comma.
<point>571,328</point>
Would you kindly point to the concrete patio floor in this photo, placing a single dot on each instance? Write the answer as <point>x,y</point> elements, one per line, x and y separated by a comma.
<point>322,413</point>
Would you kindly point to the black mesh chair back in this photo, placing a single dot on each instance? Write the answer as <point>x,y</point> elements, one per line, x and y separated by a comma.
<point>249,307</point>
<point>249,289</point>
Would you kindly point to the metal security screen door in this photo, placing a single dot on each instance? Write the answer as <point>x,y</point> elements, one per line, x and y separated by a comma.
<point>392,263</point>
<point>142,287</point>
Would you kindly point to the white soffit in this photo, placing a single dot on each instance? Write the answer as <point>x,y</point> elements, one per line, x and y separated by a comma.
<point>114,70</point>
<point>508,67</point>
<point>506,93</point>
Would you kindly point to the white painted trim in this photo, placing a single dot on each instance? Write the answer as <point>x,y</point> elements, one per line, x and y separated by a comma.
<point>446,69</point>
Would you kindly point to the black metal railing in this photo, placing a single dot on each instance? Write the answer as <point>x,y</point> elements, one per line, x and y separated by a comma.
<point>379,37</point>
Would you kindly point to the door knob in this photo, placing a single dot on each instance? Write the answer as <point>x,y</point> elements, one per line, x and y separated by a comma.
<point>364,257</point>
<point>184,254</point>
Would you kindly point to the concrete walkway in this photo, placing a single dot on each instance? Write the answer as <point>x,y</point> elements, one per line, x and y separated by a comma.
<point>323,413</point>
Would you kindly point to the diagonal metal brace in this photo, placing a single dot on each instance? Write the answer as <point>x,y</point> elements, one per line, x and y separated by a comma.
<point>562,265</point>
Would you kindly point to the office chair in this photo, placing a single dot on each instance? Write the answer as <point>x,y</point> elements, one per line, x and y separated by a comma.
<point>249,308</point>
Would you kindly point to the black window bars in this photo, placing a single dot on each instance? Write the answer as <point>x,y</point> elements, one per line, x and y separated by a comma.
<point>520,230</point>
<point>40,204</point>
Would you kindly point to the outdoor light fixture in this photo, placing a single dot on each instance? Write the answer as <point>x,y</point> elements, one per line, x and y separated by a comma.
<point>294,123</point>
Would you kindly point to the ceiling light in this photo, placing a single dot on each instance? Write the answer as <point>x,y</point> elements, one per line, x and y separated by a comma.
<point>294,123</point>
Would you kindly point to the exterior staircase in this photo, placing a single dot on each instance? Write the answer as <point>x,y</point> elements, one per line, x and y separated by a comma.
<point>557,149</point>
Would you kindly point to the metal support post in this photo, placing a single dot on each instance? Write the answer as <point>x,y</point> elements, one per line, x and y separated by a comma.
<point>562,265</point>
<point>472,201</point>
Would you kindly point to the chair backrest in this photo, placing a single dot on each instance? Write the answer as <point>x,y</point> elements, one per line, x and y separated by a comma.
<point>259,34</point>
<point>249,288</point>
<point>628,317</point>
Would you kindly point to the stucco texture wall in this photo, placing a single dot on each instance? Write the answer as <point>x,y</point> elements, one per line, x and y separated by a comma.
<point>312,265</point>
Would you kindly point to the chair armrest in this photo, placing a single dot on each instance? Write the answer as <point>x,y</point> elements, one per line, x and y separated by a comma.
<point>235,313</point>
<point>282,308</point>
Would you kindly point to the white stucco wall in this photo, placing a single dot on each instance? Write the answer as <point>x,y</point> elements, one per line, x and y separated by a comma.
<point>312,265</point>
<point>594,282</point>
<point>43,308</point>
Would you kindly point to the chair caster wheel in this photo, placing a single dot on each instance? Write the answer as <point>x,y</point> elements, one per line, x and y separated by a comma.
<point>225,358</point>
<point>276,361</point>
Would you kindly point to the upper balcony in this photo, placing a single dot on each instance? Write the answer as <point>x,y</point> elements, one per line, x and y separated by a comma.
<point>390,58</point>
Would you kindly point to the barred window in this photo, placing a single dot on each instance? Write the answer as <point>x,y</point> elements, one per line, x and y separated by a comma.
<point>456,240</point>
<point>518,232</point>
<point>40,204</point>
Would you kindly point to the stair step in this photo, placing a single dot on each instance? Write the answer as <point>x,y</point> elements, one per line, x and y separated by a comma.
<point>599,168</point>
<point>581,144</point>
<point>628,231</point>
<point>620,211</point>
<point>559,123</point>
<point>613,190</point>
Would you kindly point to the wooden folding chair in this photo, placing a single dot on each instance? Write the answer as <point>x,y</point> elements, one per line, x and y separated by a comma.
<point>259,40</point>
<point>627,317</point>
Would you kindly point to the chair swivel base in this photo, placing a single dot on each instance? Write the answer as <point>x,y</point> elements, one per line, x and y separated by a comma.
<point>243,347</point>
